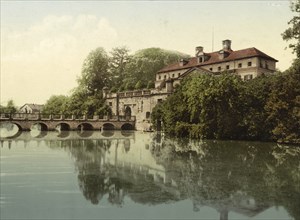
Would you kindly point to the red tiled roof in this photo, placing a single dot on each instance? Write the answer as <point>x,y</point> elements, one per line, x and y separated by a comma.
<point>214,58</point>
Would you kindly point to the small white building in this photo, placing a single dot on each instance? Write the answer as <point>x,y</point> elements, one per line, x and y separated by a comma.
<point>31,108</point>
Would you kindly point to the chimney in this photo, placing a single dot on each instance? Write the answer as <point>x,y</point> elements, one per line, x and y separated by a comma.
<point>198,51</point>
<point>226,45</point>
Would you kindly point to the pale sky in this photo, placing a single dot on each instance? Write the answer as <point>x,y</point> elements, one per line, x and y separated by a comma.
<point>44,43</point>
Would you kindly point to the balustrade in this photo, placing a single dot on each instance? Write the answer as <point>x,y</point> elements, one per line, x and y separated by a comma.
<point>55,117</point>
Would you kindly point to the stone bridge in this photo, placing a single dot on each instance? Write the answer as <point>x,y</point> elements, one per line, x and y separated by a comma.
<point>26,121</point>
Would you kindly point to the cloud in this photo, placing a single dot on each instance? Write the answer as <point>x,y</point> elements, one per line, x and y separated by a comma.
<point>46,57</point>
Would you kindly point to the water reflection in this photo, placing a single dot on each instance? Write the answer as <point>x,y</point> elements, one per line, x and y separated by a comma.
<point>9,130</point>
<point>229,176</point>
<point>85,133</point>
<point>241,177</point>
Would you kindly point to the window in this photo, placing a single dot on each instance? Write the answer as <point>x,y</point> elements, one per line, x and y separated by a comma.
<point>267,66</point>
<point>165,76</point>
<point>159,77</point>
<point>211,69</point>
<point>249,63</point>
<point>148,114</point>
<point>178,74</point>
<point>159,100</point>
<point>240,65</point>
<point>261,65</point>
<point>110,103</point>
<point>219,68</point>
<point>173,75</point>
<point>248,77</point>
<point>227,67</point>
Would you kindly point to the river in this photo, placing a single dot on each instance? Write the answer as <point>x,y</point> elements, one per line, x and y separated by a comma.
<point>136,175</point>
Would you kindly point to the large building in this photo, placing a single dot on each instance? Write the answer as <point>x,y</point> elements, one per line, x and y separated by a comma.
<point>246,63</point>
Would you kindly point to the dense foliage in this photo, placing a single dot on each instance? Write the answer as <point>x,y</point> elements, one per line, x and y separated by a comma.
<point>118,71</point>
<point>293,32</point>
<point>9,108</point>
<point>225,107</point>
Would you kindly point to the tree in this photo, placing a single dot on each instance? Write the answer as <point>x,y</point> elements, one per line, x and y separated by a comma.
<point>56,104</point>
<point>95,74</point>
<point>283,107</point>
<point>118,60</point>
<point>9,108</point>
<point>293,32</point>
<point>144,64</point>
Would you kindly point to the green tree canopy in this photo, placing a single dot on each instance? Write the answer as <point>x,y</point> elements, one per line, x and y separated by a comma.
<point>9,108</point>
<point>293,32</point>
<point>95,74</point>
<point>144,64</point>
<point>56,104</point>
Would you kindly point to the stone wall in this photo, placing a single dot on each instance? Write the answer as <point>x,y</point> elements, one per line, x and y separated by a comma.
<point>139,103</point>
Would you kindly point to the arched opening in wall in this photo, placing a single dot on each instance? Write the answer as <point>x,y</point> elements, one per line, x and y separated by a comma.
<point>127,113</point>
<point>63,130</point>
<point>85,134</point>
<point>85,127</point>
<point>108,127</point>
<point>39,126</point>
<point>10,130</point>
<point>85,130</point>
<point>127,127</point>
<point>38,130</point>
<point>148,115</point>
<point>63,127</point>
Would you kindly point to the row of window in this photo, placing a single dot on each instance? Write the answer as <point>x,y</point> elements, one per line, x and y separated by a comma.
<point>240,65</point>
<point>165,76</point>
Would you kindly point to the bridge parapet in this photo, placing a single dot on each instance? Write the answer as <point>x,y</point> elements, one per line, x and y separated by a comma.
<point>62,117</point>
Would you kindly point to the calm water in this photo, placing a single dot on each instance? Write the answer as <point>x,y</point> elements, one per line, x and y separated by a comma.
<point>114,175</point>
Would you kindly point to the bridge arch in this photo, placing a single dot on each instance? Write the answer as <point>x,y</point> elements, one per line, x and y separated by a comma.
<point>85,133</point>
<point>13,130</point>
<point>18,125</point>
<point>63,126</point>
<point>85,126</point>
<point>127,126</point>
<point>43,126</point>
<point>108,127</point>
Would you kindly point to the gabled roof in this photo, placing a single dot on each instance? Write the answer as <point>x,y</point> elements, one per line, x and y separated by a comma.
<point>34,106</point>
<point>215,58</point>
<point>199,69</point>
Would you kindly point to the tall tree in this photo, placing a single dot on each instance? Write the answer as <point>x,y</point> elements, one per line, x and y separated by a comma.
<point>293,32</point>
<point>118,60</point>
<point>95,74</point>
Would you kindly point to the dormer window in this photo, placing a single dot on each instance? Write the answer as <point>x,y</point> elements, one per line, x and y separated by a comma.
<point>183,62</point>
<point>223,54</point>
